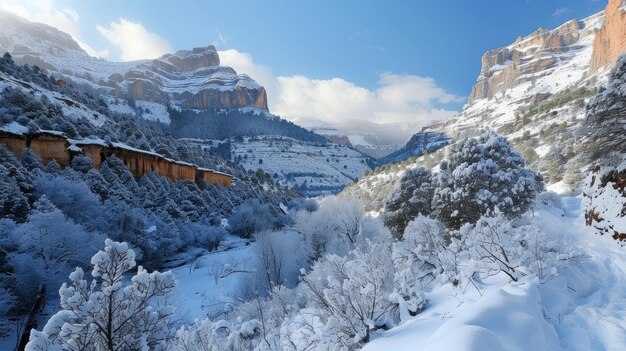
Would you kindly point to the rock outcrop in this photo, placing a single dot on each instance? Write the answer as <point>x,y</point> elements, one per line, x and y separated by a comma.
<point>604,201</point>
<point>190,79</point>
<point>54,146</point>
<point>527,58</point>
<point>610,41</point>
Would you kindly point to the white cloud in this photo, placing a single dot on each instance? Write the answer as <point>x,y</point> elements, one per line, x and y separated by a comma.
<point>134,40</point>
<point>44,11</point>
<point>398,106</point>
<point>560,11</point>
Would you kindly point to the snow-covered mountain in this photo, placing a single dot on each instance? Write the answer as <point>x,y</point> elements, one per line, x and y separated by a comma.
<point>189,91</point>
<point>535,92</point>
<point>312,169</point>
<point>186,78</point>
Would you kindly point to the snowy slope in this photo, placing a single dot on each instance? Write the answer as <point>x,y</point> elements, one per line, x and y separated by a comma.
<point>541,114</point>
<point>69,107</point>
<point>542,110</point>
<point>211,282</point>
<point>581,308</point>
<point>312,169</point>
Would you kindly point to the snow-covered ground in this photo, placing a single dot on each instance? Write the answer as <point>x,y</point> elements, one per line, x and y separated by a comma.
<point>581,308</point>
<point>212,282</point>
<point>313,169</point>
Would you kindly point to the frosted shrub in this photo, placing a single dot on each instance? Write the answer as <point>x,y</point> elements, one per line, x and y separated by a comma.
<point>481,176</point>
<point>496,245</point>
<point>279,258</point>
<point>416,263</point>
<point>350,296</point>
<point>493,246</point>
<point>335,228</point>
<point>250,217</point>
<point>108,313</point>
<point>411,198</point>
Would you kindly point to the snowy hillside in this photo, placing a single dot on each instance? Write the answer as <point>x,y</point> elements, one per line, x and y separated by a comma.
<point>312,169</point>
<point>421,143</point>
<point>543,107</point>
<point>579,308</point>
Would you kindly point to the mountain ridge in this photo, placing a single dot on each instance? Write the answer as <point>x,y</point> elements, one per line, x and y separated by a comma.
<point>190,79</point>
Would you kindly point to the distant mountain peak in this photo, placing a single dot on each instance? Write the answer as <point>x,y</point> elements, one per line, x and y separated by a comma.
<point>190,60</point>
<point>188,79</point>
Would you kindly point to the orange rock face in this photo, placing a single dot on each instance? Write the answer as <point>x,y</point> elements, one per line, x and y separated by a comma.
<point>508,66</point>
<point>15,143</point>
<point>142,163</point>
<point>213,98</point>
<point>215,178</point>
<point>95,153</point>
<point>55,147</point>
<point>51,147</point>
<point>610,40</point>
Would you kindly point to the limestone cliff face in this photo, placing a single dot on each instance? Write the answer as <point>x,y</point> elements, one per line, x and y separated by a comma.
<point>190,79</point>
<point>527,58</point>
<point>610,41</point>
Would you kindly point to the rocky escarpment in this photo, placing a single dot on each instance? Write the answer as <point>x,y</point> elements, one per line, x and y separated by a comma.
<point>528,58</point>
<point>190,79</point>
<point>604,201</point>
<point>610,41</point>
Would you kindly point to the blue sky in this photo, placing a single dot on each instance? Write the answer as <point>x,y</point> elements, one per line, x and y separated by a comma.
<point>433,46</point>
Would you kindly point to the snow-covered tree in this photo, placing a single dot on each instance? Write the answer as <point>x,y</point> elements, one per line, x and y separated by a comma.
<point>350,296</point>
<point>493,246</point>
<point>335,228</point>
<point>279,258</point>
<point>250,217</point>
<point>411,198</point>
<point>481,176</point>
<point>416,263</point>
<point>108,313</point>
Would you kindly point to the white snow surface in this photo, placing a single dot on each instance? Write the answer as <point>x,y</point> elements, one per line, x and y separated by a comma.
<point>212,282</point>
<point>581,308</point>
<point>324,169</point>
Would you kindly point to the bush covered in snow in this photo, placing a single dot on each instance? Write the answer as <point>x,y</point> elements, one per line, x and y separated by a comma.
<point>110,313</point>
<point>483,175</point>
<point>412,198</point>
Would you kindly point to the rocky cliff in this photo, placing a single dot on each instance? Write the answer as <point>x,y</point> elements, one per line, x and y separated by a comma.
<point>187,78</point>
<point>530,57</point>
<point>610,41</point>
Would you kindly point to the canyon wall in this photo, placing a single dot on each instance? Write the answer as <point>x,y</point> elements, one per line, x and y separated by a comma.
<point>526,58</point>
<point>610,40</point>
<point>51,146</point>
<point>212,177</point>
<point>15,143</point>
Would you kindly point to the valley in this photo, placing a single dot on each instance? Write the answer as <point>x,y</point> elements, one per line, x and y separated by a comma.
<point>151,200</point>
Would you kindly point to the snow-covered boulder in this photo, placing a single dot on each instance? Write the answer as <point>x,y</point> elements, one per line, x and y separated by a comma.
<point>604,201</point>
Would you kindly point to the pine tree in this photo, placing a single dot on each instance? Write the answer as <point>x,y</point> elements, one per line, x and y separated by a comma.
<point>413,197</point>
<point>481,176</point>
